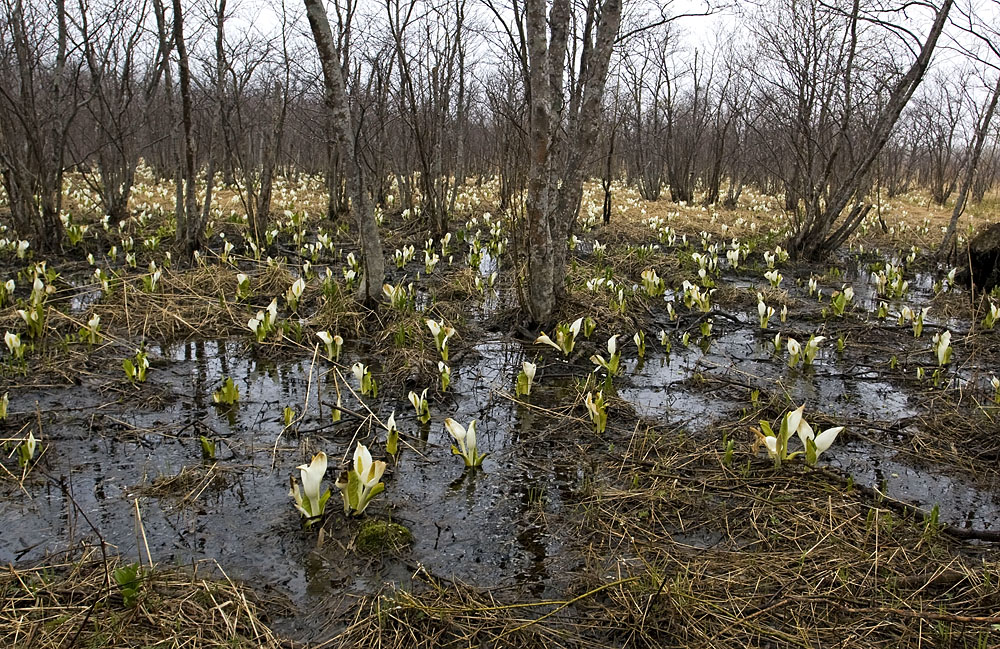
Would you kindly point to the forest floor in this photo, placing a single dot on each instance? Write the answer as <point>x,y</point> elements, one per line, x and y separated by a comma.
<point>671,527</point>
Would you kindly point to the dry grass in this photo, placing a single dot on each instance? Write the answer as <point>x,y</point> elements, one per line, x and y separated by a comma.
<point>747,556</point>
<point>190,483</point>
<point>76,602</point>
<point>679,550</point>
<point>914,211</point>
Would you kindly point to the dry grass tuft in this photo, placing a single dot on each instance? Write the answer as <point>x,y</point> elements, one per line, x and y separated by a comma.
<point>76,602</point>
<point>679,550</point>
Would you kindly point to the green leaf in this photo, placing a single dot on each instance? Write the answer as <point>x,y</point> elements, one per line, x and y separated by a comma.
<point>376,490</point>
<point>126,576</point>
<point>784,426</point>
<point>353,489</point>
<point>522,384</point>
<point>207,448</point>
<point>810,452</point>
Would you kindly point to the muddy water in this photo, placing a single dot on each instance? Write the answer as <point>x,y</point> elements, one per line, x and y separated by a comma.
<point>855,386</point>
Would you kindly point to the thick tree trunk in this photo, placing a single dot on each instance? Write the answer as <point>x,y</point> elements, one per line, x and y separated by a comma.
<point>538,201</point>
<point>559,153</point>
<point>984,259</point>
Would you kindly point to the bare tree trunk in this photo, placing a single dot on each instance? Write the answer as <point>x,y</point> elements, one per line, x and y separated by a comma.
<point>272,146</point>
<point>35,115</point>
<point>583,128</point>
<point>982,131</point>
<point>220,97</point>
<point>538,201</point>
<point>460,127</point>
<point>50,233</point>
<point>606,180</point>
<point>559,152</point>
<point>818,236</point>
<point>189,225</point>
<point>340,119</point>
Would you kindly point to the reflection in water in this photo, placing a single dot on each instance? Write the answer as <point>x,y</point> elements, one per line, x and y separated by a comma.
<point>471,525</point>
<point>489,527</point>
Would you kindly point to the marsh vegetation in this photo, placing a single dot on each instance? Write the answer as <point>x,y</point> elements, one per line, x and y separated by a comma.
<point>399,349</point>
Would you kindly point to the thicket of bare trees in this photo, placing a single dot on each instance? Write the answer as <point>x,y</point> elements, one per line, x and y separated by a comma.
<point>822,102</point>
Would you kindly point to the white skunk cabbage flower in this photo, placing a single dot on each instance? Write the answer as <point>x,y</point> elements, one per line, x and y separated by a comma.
<point>794,350</point>
<point>363,481</point>
<point>816,445</point>
<point>942,346</point>
<point>310,501</point>
<point>466,442</point>
<point>526,378</point>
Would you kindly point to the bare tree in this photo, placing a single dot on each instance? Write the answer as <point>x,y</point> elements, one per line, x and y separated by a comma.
<point>939,115</point>
<point>686,121</point>
<point>506,149</point>
<point>343,131</point>
<point>561,133</point>
<point>428,39</point>
<point>219,96</point>
<point>979,141</point>
<point>834,112</point>
<point>255,109</point>
<point>728,105</point>
<point>37,104</point>
<point>988,36</point>
<point>189,222</point>
<point>122,89</point>
<point>646,81</point>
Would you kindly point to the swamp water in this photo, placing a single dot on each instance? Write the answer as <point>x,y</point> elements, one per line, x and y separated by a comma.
<point>497,528</point>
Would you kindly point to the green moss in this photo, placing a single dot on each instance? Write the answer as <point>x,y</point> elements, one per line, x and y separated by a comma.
<point>382,537</point>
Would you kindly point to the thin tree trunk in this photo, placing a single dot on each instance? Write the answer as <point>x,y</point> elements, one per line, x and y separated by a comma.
<point>817,237</point>
<point>189,226</point>
<point>220,90</point>
<point>340,119</point>
<point>50,231</point>
<point>981,135</point>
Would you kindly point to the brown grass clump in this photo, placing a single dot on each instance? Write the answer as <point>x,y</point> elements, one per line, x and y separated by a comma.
<point>748,556</point>
<point>677,549</point>
<point>195,303</point>
<point>189,484</point>
<point>77,602</point>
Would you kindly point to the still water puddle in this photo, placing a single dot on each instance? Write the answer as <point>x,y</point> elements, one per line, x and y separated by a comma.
<point>494,527</point>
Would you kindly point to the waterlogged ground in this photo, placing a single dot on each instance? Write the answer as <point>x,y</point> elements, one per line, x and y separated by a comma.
<point>122,464</point>
<point>488,527</point>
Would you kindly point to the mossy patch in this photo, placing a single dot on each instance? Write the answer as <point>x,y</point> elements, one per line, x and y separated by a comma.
<point>382,537</point>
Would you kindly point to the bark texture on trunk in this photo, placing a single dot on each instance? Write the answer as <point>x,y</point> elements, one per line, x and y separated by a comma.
<point>189,226</point>
<point>343,132</point>
<point>562,135</point>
